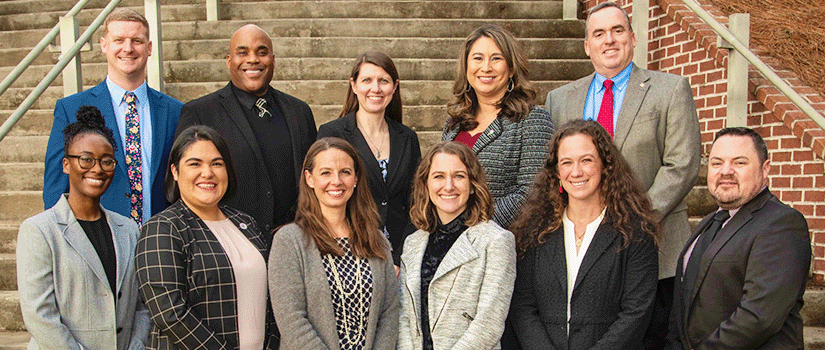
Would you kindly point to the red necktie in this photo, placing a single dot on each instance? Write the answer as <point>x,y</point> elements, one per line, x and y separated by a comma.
<point>606,111</point>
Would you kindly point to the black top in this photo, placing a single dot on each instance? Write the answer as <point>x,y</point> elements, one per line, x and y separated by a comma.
<point>272,134</point>
<point>100,235</point>
<point>438,244</point>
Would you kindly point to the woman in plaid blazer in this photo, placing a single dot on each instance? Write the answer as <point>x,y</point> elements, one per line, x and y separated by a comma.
<point>192,257</point>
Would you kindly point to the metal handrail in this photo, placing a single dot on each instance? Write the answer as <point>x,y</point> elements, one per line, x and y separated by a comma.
<point>35,94</point>
<point>38,49</point>
<point>763,68</point>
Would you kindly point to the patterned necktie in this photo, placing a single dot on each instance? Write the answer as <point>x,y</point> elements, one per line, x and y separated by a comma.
<point>695,260</point>
<point>134,167</point>
<point>262,110</point>
<point>606,110</point>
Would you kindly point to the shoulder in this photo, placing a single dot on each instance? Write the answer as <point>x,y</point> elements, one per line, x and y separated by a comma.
<point>288,100</point>
<point>162,98</point>
<point>663,78</point>
<point>490,231</point>
<point>289,233</point>
<point>202,101</point>
<point>571,86</point>
<point>332,128</point>
<point>119,219</point>
<point>171,219</point>
<point>42,219</point>
<point>776,211</point>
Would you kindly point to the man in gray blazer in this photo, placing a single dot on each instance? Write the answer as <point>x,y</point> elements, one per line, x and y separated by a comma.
<point>653,120</point>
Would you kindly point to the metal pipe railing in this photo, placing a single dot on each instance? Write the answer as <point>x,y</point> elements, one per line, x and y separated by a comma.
<point>29,101</point>
<point>38,49</point>
<point>766,71</point>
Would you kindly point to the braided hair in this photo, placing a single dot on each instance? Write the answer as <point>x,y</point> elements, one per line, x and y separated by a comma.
<point>89,121</point>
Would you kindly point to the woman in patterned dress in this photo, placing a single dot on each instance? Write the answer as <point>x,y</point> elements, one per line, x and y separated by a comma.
<point>331,276</point>
<point>458,268</point>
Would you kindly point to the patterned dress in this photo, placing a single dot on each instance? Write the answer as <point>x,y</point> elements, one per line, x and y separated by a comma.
<point>350,285</point>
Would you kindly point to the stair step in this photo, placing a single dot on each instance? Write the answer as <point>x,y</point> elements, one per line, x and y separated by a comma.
<point>814,337</point>
<point>8,236</point>
<point>23,149</point>
<point>10,317</point>
<point>33,122</point>
<point>332,47</point>
<point>700,202</point>
<point>813,313</point>
<point>26,6</point>
<point>14,340</point>
<point>16,206</point>
<point>21,177</point>
<point>8,272</point>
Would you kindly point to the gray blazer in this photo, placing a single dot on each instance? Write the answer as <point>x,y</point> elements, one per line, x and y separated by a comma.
<point>64,293</point>
<point>511,155</point>
<point>301,300</point>
<point>470,292</point>
<point>658,134</point>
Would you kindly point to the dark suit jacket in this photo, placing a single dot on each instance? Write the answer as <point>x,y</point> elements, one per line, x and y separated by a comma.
<point>391,197</point>
<point>164,110</point>
<point>188,283</point>
<point>749,287</point>
<point>612,298</point>
<point>221,111</point>
<point>658,134</point>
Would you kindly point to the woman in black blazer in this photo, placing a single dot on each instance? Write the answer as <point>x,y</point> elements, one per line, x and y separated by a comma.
<point>587,273</point>
<point>371,121</point>
<point>193,257</point>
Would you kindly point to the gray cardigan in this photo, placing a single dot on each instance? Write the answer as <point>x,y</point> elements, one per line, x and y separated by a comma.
<point>301,299</point>
<point>469,295</point>
<point>511,155</point>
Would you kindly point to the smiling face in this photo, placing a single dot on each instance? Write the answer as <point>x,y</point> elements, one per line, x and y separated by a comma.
<point>201,176</point>
<point>250,59</point>
<point>127,48</point>
<point>580,170</point>
<point>487,69</point>
<point>88,183</point>
<point>609,41</point>
<point>332,178</point>
<point>735,174</point>
<point>448,185</point>
<point>374,88</point>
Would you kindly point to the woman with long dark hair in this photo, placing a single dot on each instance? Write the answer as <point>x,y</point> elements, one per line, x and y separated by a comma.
<point>586,240</point>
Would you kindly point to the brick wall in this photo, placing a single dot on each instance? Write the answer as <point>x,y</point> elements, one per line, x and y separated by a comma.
<point>681,43</point>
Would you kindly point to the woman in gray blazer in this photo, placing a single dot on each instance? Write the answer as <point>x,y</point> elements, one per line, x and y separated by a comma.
<point>492,112</point>
<point>75,270</point>
<point>588,263</point>
<point>331,275</point>
<point>458,268</point>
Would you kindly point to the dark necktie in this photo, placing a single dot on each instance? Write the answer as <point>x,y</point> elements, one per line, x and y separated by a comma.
<point>134,162</point>
<point>702,243</point>
<point>262,110</point>
<point>606,111</point>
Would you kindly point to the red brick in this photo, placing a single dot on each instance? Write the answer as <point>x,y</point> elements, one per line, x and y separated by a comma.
<point>820,210</point>
<point>697,79</point>
<point>819,181</point>
<point>783,156</point>
<point>819,238</point>
<point>715,124</point>
<point>806,209</point>
<point>791,169</point>
<point>666,41</point>
<point>690,46</point>
<point>815,196</point>
<point>721,112</point>
<point>803,156</point>
<point>682,59</point>
<point>673,50</point>
<point>772,144</point>
<point>706,90</point>
<point>705,114</point>
<point>699,55</point>
<point>714,101</point>
<point>816,223</point>
<point>714,76</point>
<point>790,142</point>
<point>666,63</point>
<point>803,182</point>
<point>681,36</point>
<point>819,265</point>
<point>778,182</point>
<point>791,196</point>
<point>814,169</point>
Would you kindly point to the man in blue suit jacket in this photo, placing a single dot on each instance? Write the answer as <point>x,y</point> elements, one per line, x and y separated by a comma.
<point>127,47</point>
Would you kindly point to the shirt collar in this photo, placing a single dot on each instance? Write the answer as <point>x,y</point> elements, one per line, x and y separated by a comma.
<point>117,92</point>
<point>248,100</point>
<point>620,81</point>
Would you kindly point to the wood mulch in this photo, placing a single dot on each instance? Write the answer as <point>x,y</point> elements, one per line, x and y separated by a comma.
<point>792,31</point>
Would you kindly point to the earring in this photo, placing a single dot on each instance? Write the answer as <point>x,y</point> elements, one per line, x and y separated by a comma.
<point>511,85</point>
<point>310,186</point>
<point>561,189</point>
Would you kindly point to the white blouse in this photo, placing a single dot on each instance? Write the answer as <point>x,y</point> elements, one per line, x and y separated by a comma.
<point>574,259</point>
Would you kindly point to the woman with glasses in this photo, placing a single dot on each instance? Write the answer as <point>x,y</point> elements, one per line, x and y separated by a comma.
<point>75,271</point>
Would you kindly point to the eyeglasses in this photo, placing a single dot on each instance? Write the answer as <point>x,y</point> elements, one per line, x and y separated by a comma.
<point>88,162</point>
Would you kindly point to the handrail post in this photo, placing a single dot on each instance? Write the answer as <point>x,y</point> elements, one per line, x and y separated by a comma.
<point>155,64</point>
<point>570,9</point>
<point>641,27</point>
<point>212,10</point>
<point>737,112</point>
<point>72,74</point>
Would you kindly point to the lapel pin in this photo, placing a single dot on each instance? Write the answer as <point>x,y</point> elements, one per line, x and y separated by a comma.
<point>641,85</point>
<point>243,226</point>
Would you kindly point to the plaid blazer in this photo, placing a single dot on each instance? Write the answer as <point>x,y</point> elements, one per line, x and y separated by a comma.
<point>511,154</point>
<point>187,281</point>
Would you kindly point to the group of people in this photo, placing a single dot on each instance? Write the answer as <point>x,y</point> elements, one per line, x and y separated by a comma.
<point>231,223</point>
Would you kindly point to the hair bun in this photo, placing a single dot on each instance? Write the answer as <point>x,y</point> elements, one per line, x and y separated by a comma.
<point>90,116</point>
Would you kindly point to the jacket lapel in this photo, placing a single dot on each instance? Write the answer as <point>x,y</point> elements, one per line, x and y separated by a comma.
<point>575,103</point>
<point>236,114</point>
<point>354,136</point>
<point>555,255</point>
<point>488,135</point>
<point>159,130</point>
<point>122,248</point>
<point>76,237</point>
<point>103,101</point>
<point>459,254</point>
<point>603,239</point>
<point>637,88</point>
<point>291,118</point>
<point>397,146</point>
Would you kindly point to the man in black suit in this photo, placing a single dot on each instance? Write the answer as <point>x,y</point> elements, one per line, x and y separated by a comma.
<point>741,276</point>
<point>268,131</point>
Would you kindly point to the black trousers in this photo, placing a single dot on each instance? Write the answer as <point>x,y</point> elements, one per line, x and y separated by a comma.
<point>658,328</point>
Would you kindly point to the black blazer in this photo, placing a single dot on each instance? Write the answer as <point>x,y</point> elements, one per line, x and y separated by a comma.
<point>187,281</point>
<point>391,197</point>
<point>612,298</point>
<point>222,111</point>
<point>749,287</point>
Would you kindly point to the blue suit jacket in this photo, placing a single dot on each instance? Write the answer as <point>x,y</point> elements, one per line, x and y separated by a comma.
<point>165,111</point>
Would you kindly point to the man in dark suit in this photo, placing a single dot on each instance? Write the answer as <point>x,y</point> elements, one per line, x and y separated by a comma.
<point>268,131</point>
<point>652,117</point>
<point>741,276</point>
<point>142,118</point>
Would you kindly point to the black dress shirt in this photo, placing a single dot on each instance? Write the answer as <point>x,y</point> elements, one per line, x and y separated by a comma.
<point>100,236</point>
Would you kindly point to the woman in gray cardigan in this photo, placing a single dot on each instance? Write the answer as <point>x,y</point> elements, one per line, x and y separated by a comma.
<point>458,269</point>
<point>331,275</point>
<point>492,112</point>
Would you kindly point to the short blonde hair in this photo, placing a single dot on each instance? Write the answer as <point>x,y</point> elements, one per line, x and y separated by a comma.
<point>125,15</point>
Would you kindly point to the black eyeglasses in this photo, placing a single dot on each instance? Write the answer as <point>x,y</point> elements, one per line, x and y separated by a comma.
<point>88,162</point>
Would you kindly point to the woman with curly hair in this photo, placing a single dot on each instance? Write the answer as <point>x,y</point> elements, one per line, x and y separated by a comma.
<point>492,112</point>
<point>586,241</point>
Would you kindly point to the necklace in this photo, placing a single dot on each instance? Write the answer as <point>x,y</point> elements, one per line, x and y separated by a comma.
<point>369,140</point>
<point>354,323</point>
<point>579,242</point>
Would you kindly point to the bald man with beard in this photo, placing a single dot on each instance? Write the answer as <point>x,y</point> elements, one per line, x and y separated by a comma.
<point>268,132</point>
